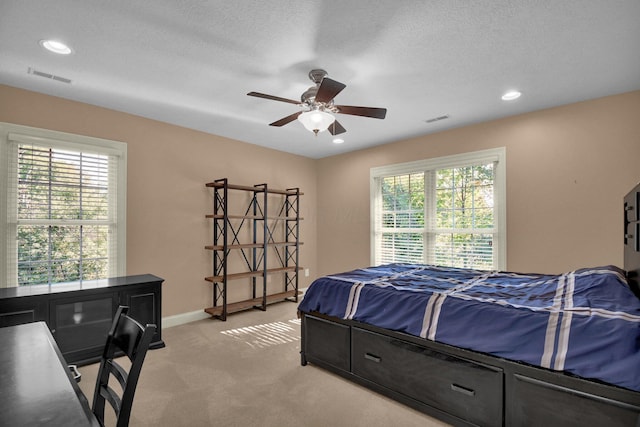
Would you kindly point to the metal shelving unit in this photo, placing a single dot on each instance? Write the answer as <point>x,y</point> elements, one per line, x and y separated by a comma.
<point>273,248</point>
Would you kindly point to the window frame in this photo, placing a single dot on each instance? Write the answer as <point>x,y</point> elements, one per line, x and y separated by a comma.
<point>495,155</point>
<point>11,133</point>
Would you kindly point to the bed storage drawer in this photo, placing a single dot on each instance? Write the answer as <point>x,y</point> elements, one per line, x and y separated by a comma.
<point>465,389</point>
<point>327,342</point>
<point>536,402</point>
<point>632,204</point>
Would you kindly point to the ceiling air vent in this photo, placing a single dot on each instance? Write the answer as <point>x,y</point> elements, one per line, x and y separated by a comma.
<point>48,76</point>
<point>437,119</point>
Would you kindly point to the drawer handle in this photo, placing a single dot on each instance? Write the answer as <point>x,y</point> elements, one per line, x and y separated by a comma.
<point>463,390</point>
<point>372,357</point>
<point>75,373</point>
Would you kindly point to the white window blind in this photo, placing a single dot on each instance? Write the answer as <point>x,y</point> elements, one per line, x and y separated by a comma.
<point>464,229</point>
<point>65,209</point>
<point>402,219</point>
<point>447,211</point>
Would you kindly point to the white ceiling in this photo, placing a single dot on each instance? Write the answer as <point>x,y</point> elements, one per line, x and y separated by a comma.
<point>191,63</point>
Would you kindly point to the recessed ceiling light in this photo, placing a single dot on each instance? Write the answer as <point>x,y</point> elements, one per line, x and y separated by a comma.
<point>55,47</point>
<point>511,95</point>
<point>338,140</point>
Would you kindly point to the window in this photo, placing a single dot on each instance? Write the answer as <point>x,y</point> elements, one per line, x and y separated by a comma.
<point>447,211</point>
<point>65,207</point>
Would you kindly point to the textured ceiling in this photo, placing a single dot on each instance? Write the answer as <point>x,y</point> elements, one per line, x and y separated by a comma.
<point>191,63</point>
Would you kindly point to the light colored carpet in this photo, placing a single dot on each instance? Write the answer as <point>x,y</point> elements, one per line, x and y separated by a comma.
<point>246,372</point>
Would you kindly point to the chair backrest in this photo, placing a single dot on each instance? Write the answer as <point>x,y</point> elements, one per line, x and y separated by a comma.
<point>131,338</point>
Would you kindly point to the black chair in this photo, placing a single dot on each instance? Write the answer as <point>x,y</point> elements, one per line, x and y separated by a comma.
<point>131,338</point>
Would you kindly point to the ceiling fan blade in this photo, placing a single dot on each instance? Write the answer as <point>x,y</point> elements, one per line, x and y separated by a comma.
<point>286,120</point>
<point>273,98</point>
<point>376,113</point>
<point>336,128</point>
<point>328,90</point>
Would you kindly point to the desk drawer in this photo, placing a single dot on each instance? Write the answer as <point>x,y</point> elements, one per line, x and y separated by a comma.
<point>463,388</point>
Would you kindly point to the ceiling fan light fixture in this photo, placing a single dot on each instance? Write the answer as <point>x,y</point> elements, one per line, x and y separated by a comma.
<point>316,121</point>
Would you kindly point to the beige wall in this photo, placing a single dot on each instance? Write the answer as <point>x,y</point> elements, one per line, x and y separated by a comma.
<point>166,196</point>
<point>568,169</point>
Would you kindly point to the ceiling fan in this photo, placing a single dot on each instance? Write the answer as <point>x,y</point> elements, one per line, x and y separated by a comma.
<point>317,106</point>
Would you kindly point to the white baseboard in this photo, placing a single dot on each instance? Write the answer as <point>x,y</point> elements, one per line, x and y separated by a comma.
<point>182,318</point>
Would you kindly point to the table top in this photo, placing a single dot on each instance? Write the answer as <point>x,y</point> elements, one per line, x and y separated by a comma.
<point>36,387</point>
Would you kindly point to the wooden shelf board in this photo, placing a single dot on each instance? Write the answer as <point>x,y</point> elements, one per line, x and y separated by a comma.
<point>250,303</point>
<point>286,192</point>
<point>284,243</point>
<point>220,216</point>
<point>234,307</point>
<point>234,246</point>
<point>234,276</point>
<point>249,188</point>
<point>282,270</point>
<point>235,187</point>
<point>284,218</point>
<point>246,274</point>
<point>257,217</point>
<point>250,245</point>
<point>282,295</point>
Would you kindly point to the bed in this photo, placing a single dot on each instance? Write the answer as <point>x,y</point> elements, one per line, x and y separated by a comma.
<point>476,347</point>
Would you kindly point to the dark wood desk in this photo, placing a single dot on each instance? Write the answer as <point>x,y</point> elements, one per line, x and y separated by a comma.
<point>36,388</point>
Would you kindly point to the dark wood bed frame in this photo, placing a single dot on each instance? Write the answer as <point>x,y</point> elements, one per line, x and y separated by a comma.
<point>463,387</point>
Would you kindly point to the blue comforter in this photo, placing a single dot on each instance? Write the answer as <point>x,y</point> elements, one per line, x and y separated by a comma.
<point>586,322</point>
